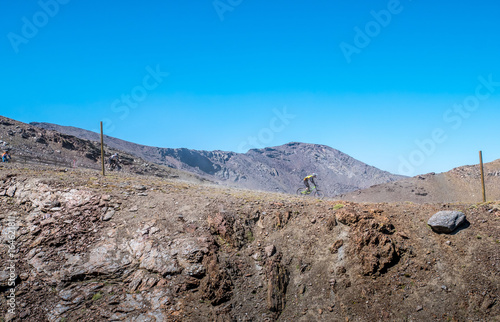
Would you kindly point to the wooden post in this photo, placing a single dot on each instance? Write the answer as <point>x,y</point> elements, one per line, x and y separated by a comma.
<point>482,175</point>
<point>102,151</point>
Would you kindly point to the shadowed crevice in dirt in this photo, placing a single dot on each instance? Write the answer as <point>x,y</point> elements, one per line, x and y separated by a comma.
<point>277,283</point>
<point>217,287</point>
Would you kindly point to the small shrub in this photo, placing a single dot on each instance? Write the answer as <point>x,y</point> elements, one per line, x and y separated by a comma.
<point>97,296</point>
<point>250,236</point>
<point>338,206</point>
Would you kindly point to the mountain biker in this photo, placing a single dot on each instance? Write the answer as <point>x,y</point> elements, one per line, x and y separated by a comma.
<point>113,160</point>
<point>6,156</point>
<point>310,178</point>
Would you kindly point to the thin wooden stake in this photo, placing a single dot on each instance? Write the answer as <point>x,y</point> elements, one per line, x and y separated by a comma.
<point>102,151</point>
<point>482,175</point>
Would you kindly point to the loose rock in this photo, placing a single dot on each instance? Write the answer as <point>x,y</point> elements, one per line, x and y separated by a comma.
<point>109,214</point>
<point>446,221</point>
<point>270,250</point>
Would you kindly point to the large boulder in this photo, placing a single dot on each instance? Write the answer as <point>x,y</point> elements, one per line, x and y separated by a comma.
<point>446,221</point>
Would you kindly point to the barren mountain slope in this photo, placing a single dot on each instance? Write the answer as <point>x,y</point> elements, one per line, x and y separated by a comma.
<point>278,169</point>
<point>33,145</point>
<point>462,184</point>
<point>137,248</point>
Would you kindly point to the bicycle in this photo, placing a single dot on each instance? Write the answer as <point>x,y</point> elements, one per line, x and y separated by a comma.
<point>113,165</point>
<point>314,191</point>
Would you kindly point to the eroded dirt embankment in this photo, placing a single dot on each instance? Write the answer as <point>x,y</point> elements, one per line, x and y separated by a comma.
<point>136,248</point>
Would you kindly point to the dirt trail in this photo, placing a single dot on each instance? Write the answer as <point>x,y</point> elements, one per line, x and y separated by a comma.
<point>138,248</point>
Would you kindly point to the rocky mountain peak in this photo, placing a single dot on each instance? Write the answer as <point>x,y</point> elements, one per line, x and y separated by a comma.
<point>279,168</point>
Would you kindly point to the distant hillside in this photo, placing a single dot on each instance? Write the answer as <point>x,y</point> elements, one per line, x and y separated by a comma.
<point>34,145</point>
<point>462,184</point>
<point>278,168</point>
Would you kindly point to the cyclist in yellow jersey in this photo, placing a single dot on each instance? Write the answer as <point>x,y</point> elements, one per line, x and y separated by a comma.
<point>310,178</point>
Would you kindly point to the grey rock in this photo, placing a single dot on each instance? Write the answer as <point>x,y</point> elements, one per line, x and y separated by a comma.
<point>104,259</point>
<point>270,250</point>
<point>118,317</point>
<point>60,309</point>
<point>67,295</point>
<point>4,278</point>
<point>190,250</point>
<point>132,303</point>
<point>196,270</point>
<point>159,261</point>
<point>24,314</point>
<point>11,191</point>
<point>136,280</point>
<point>109,214</point>
<point>446,221</point>
<point>9,317</point>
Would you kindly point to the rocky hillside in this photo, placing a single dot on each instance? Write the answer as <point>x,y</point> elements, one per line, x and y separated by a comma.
<point>82,247</point>
<point>278,169</point>
<point>462,184</point>
<point>33,145</point>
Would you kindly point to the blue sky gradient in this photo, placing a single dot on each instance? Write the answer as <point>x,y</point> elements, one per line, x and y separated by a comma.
<point>222,74</point>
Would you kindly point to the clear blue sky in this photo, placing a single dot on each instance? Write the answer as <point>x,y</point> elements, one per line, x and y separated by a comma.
<point>378,80</point>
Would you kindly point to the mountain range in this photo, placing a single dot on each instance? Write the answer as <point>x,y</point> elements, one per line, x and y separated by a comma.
<point>278,169</point>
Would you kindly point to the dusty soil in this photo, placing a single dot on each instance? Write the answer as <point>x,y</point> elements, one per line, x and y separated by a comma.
<point>141,248</point>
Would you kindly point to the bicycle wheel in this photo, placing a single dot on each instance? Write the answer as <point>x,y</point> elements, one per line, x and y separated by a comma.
<point>299,191</point>
<point>319,194</point>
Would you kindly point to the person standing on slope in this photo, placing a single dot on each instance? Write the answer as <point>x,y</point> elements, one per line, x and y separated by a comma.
<point>6,156</point>
<point>310,178</point>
